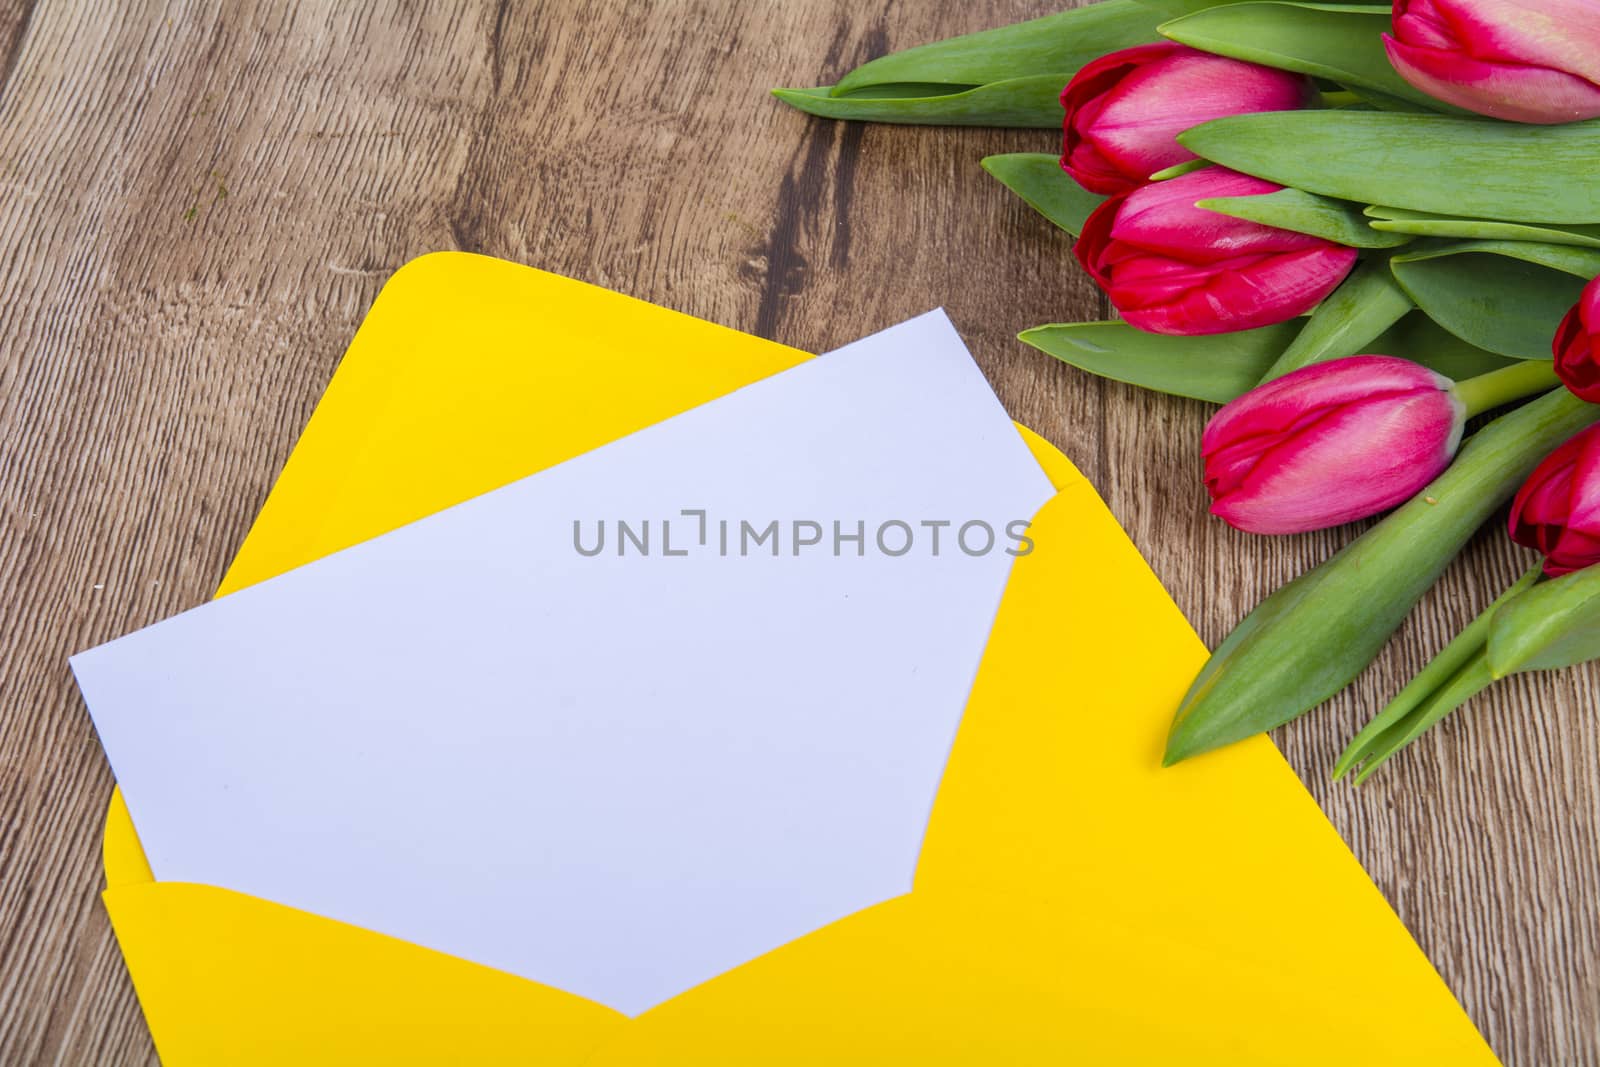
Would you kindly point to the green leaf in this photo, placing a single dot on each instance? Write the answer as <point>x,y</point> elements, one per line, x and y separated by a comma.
<point>1456,673</point>
<point>1428,224</point>
<point>1032,102</point>
<point>1302,212</point>
<point>1306,641</point>
<point>1582,263</point>
<point>1554,624</point>
<point>1217,367</point>
<point>1385,102</point>
<point>1038,178</point>
<point>1366,304</point>
<point>1342,43</point>
<point>1454,166</point>
<point>1504,296</point>
<point>1421,340</point>
<point>1056,45</point>
<point>1471,679</point>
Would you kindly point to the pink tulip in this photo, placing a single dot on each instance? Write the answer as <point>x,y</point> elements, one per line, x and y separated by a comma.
<point>1577,346</point>
<point>1125,110</point>
<point>1330,443</point>
<point>1171,267</point>
<point>1522,60</point>
<point>1557,510</point>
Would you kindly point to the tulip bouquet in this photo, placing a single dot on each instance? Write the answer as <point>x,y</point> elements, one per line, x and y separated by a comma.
<point>1357,228</point>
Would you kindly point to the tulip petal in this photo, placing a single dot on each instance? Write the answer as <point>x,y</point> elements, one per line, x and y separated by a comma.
<point>1329,443</point>
<point>1174,268</point>
<point>1509,91</point>
<point>1268,290</point>
<point>1351,462</point>
<point>1557,34</point>
<point>1282,402</point>
<point>1583,503</point>
<point>1138,126</point>
<point>1085,99</point>
<point>1557,509</point>
<point>1577,360</point>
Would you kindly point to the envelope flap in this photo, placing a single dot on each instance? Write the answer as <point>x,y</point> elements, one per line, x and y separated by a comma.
<point>469,373</point>
<point>228,979</point>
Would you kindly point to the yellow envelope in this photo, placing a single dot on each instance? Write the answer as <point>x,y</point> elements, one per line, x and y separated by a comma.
<point>1074,902</point>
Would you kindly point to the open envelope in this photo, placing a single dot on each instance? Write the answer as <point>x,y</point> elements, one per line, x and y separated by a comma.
<point>1073,901</point>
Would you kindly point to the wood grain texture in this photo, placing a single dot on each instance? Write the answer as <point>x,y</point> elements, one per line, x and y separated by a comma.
<point>199,202</point>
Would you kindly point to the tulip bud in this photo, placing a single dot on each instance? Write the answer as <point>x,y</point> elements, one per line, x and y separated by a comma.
<point>1577,346</point>
<point>1557,510</point>
<point>1520,60</point>
<point>1171,267</point>
<point>1310,638</point>
<point>1125,110</point>
<point>1330,443</point>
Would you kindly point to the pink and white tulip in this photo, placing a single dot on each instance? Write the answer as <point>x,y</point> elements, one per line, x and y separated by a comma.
<point>1125,110</point>
<point>1521,60</point>
<point>1330,443</point>
<point>1171,267</point>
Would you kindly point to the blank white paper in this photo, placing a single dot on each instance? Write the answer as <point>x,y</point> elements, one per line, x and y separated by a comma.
<point>619,775</point>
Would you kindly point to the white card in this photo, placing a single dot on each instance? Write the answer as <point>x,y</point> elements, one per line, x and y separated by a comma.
<point>615,774</point>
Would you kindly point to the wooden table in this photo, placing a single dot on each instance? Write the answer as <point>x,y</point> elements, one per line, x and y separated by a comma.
<point>198,207</point>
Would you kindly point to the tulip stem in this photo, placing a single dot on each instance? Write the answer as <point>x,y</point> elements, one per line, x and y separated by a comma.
<point>1499,387</point>
<point>1340,99</point>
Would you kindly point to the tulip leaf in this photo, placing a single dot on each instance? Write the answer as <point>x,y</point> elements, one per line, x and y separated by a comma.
<point>1216,367</point>
<point>1219,367</point>
<point>1038,178</point>
<point>1428,224</point>
<point>1455,674</point>
<point>1583,263</point>
<point>1056,45</point>
<point>1020,102</point>
<point>1306,641</point>
<point>1431,708</point>
<point>1454,166</point>
<point>1302,212</point>
<point>1505,296</point>
<point>1421,340</point>
<point>1366,304</point>
<point>1385,102</point>
<point>1554,624</point>
<point>1342,43</point>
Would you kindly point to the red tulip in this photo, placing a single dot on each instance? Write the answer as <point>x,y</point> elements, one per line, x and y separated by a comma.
<point>1125,110</point>
<point>1577,346</point>
<point>1171,267</point>
<point>1522,60</point>
<point>1330,443</point>
<point>1557,510</point>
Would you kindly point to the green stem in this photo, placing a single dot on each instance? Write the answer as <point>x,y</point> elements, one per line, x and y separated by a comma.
<point>1389,723</point>
<point>1340,99</point>
<point>1499,387</point>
